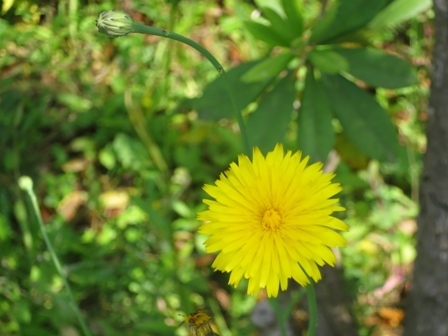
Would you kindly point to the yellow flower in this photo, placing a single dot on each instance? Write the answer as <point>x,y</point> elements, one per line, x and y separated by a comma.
<point>271,220</point>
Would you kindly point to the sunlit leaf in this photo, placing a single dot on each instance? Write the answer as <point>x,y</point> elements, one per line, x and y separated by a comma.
<point>346,16</point>
<point>399,11</point>
<point>378,68</point>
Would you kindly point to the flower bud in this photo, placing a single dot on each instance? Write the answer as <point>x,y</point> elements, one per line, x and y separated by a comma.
<point>114,23</point>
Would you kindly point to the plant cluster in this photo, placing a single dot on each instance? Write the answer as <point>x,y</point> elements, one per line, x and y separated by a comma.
<point>120,135</point>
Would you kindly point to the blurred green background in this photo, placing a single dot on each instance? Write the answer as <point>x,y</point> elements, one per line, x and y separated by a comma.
<point>109,131</point>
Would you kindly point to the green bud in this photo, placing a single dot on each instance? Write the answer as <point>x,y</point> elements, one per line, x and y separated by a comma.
<point>25,183</point>
<point>114,23</point>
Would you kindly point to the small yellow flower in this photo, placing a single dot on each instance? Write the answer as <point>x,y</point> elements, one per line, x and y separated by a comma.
<point>114,23</point>
<point>271,220</point>
<point>199,323</point>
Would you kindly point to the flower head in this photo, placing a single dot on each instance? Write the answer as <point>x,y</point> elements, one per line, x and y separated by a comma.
<point>114,23</point>
<point>271,220</point>
<point>199,323</point>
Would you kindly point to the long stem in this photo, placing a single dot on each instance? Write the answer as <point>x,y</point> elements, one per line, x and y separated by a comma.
<point>280,314</point>
<point>26,184</point>
<point>312,309</point>
<point>138,27</point>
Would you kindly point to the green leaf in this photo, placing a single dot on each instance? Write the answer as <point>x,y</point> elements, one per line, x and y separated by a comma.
<point>293,13</point>
<point>268,68</point>
<point>316,134</point>
<point>279,24</point>
<point>6,6</point>
<point>378,68</point>
<point>366,124</point>
<point>216,102</point>
<point>161,224</point>
<point>326,60</point>
<point>74,102</point>
<point>346,16</point>
<point>266,33</point>
<point>130,152</point>
<point>399,11</point>
<point>268,124</point>
<point>322,25</point>
<point>272,4</point>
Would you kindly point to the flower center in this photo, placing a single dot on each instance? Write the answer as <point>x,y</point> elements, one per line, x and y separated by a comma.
<point>271,219</point>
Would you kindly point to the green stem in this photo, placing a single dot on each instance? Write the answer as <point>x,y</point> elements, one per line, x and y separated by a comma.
<point>138,27</point>
<point>26,184</point>
<point>280,314</point>
<point>218,318</point>
<point>312,309</point>
<point>239,118</point>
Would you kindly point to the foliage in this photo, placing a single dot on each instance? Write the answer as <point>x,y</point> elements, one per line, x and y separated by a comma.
<point>119,145</point>
<point>332,49</point>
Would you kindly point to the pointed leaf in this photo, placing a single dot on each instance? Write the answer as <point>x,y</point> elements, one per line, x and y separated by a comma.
<point>398,12</point>
<point>266,33</point>
<point>326,60</point>
<point>294,16</point>
<point>316,134</point>
<point>322,25</point>
<point>216,102</point>
<point>268,124</point>
<point>346,16</point>
<point>365,122</point>
<point>273,4</point>
<point>377,68</point>
<point>279,23</point>
<point>268,68</point>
